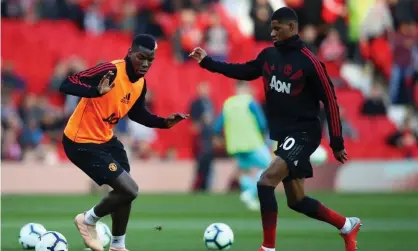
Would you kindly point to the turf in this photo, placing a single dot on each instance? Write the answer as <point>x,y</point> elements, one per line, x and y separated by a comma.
<point>390,221</point>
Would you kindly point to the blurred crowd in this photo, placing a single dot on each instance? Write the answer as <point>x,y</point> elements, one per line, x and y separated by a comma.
<point>32,128</point>
<point>378,38</point>
<point>98,16</point>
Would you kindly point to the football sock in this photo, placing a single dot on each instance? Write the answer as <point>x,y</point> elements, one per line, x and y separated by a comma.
<point>268,249</point>
<point>268,206</point>
<point>118,241</point>
<point>315,209</point>
<point>91,218</point>
<point>347,226</point>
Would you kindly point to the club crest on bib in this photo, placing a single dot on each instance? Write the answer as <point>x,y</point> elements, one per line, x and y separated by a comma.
<point>113,167</point>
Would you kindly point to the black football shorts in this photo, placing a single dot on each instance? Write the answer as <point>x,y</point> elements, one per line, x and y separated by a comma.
<point>296,148</point>
<point>103,163</point>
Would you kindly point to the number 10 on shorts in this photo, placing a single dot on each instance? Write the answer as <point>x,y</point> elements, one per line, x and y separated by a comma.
<point>288,143</point>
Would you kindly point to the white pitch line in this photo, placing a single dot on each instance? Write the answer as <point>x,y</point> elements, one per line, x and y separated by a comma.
<point>250,225</point>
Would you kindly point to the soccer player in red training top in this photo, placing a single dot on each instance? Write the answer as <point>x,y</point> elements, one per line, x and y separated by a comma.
<point>110,91</point>
<point>294,83</point>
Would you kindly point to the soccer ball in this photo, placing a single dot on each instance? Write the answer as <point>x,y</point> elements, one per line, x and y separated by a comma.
<point>319,157</point>
<point>29,235</point>
<point>52,241</point>
<point>104,233</point>
<point>218,236</point>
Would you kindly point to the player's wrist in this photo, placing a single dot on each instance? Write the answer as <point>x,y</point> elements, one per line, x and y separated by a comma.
<point>337,143</point>
<point>98,90</point>
<point>166,123</point>
<point>93,92</point>
<point>203,60</point>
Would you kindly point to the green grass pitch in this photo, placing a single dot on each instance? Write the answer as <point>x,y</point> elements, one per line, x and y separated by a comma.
<point>390,221</point>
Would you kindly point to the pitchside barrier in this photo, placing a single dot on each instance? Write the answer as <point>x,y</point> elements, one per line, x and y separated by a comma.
<point>177,176</point>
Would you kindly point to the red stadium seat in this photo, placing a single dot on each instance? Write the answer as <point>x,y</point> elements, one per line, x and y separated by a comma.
<point>34,50</point>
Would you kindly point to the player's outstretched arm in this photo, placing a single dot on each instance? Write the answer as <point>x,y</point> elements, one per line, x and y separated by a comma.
<point>140,114</point>
<point>91,83</point>
<point>247,71</point>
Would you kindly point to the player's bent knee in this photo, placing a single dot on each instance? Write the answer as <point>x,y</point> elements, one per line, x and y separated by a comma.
<point>131,196</point>
<point>294,205</point>
<point>133,192</point>
<point>304,206</point>
<point>273,175</point>
<point>268,178</point>
<point>126,187</point>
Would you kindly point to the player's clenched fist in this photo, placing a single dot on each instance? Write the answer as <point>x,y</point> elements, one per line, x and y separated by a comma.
<point>173,119</point>
<point>198,54</point>
<point>105,85</point>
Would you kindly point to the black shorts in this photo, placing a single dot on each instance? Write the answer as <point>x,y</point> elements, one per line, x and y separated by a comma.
<point>101,162</point>
<point>296,148</point>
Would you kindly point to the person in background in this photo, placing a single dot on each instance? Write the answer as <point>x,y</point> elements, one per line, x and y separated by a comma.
<point>404,42</point>
<point>309,36</point>
<point>63,69</point>
<point>374,36</point>
<point>406,137</point>
<point>244,125</point>
<point>348,130</point>
<point>11,125</point>
<point>332,53</point>
<point>146,22</point>
<point>10,79</point>
<point>260,13</point>
<point>187,36</point>
<point>216,38</point>
<point>375,102</point>
<point>201,113</point>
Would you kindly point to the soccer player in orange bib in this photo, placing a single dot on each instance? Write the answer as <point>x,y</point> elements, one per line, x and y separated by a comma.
<point>110,91</point>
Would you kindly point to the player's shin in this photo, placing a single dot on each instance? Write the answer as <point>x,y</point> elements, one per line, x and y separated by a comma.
<point>268,207</point>
<point>315,209</point>
<point>125,190</point>
<point>120,219</point>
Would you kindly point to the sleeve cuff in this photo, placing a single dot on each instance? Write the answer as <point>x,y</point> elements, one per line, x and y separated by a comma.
<point>205,62</point>
<point>337,143</point>
<point>94,92</point>
<point>160,123</point>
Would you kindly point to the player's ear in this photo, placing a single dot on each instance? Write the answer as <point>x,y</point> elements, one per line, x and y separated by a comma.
<point>294,27</point>
<point>291,26</point>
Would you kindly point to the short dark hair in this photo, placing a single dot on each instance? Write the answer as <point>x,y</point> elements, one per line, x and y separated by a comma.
<point>285,14</point>
<point>144,40</point>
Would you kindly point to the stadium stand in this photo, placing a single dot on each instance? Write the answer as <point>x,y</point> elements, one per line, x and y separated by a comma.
<point>35,48</point>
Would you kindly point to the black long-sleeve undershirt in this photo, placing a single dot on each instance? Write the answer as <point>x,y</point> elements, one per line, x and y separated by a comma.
<point>250,70</point>
<point>294,83</point>
<point>140,113</point>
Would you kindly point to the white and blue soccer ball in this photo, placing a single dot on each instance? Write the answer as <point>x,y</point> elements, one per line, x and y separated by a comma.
<point>52,241</point>
<point>29,235</point>
<point>103,231</point>
<point>319,157</point>
<point>218,236</point>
